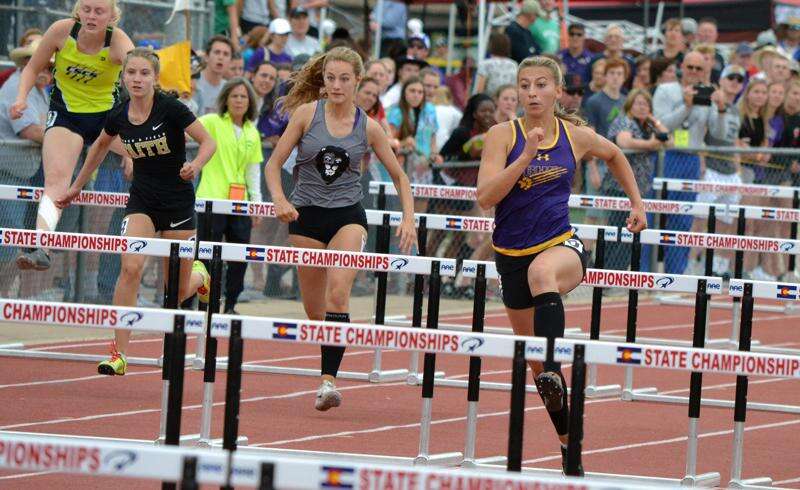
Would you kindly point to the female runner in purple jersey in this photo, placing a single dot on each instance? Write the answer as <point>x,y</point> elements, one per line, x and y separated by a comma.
<point>526,173</point>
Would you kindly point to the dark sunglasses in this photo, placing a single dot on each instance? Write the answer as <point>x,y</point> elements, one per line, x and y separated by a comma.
<point>576,34</point>
<point>735,78</point>
<point>574,91</point>
<point>694,68</point>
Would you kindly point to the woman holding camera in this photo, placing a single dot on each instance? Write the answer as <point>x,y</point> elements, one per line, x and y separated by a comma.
<point>635,129</point>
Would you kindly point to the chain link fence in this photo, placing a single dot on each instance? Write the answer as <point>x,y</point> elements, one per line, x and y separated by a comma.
<point>142,20</point>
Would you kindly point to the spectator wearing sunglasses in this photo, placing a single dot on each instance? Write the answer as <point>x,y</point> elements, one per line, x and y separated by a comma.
<point>575,56</point>
<point>689,121</point>
<point>572,96</point>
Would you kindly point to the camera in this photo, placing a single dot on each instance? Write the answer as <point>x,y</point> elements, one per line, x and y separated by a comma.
<point>663,137</point>
<point>650,130</point>
<point>703,95</point>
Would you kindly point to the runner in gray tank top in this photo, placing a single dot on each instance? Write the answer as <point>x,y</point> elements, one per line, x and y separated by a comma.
<point>328,169</point>
<point>332,135</point>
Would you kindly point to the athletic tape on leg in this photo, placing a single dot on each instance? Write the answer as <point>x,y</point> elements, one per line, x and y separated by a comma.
<point>49,212</point>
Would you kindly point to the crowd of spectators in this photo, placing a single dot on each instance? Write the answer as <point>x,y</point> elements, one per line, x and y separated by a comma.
<point>687,93</point>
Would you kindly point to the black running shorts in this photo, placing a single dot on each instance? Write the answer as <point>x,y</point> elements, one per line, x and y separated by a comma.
<point>322,224</point>
<point>163,220</point>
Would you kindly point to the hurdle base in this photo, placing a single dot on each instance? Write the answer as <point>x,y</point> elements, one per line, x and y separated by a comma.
<point>415,379</point>
<point>209,443</point>
<point>379,376</point>
<point>762,482</point>
<point>637,394</point>
<point>703,480</point>
<point>444,459</point>
<point>603,391</point>
<point>485,385</point>
<point>387,376</point>
<point>185,440</point>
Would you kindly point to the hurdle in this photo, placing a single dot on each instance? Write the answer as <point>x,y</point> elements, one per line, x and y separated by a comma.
<point>154,247</point>
<point>220,252</point>
<point>192,467</point>
<point>431,341</point>
<point>173,323</point>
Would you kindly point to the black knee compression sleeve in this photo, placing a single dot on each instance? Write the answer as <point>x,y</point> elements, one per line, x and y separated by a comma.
<point>332,354</point>
<point>548,322</point>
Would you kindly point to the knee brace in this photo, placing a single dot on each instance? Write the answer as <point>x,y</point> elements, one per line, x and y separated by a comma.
<point>548,322</point>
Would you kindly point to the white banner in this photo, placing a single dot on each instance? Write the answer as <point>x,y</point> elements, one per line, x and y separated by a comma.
<point>372,336</point>
<point>719,242</point>
<point>330,258</point>
<point>719,188</point>
<point>97,316</point>
<point>84,242</point>
<point>784,291</point>
<point>682,358</point>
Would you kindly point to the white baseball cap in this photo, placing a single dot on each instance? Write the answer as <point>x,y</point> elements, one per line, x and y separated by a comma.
<point>280,26</point>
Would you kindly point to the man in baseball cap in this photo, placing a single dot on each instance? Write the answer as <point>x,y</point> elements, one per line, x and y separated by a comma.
<point>299,41</point>
<point>523,44</point>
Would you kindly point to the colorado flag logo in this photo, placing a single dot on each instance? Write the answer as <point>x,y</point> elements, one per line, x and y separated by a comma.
<point>787,291</point>
<point>337,477</point>
<point>239,207</point>
<point>668,238</point>
<point>25,193</point>
<point>629,355</point>
<point>257,254</point>
<point>284,330</point>
<point>453,223</point>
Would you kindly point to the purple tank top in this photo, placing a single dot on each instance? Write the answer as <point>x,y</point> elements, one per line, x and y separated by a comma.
<point>535,212</point>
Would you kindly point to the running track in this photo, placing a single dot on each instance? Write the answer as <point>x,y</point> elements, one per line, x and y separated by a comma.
<point>277,411</point>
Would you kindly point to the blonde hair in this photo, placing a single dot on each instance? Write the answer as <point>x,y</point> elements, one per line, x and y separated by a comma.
<point>637,92</point>
<point>558,78</point>
<point>744,106</point>
<point>116,13</point>
<point>442,96</point>
<point>308,82</point>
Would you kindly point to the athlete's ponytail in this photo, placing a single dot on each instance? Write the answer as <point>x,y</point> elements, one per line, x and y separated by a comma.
<point>558,77</point>
<point>308,82</point>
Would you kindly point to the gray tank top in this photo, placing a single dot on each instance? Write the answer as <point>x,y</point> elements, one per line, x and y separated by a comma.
<point>328,169</point>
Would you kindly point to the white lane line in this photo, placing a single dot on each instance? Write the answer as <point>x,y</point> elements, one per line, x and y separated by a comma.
<point>26,475</point>
<point>72,380</point>
<point>502,314</point>
<point>689,325</point>
<point>666,441</point>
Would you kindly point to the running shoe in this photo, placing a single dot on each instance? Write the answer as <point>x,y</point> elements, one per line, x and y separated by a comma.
<point>36,259</point>
<point>204,290</point>
<point>327,396</point>
<point>564,462</point>
<point>116,365</point>
<point>551,390</point>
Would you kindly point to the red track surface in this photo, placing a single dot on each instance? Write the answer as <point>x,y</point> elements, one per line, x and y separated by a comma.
<point>277,410</point>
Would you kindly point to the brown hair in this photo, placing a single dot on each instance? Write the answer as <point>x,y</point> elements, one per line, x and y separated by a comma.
<point>255,37</point>
<point>501,89</point>
<point>308,81</point>
<point>222,99</point>
<point>407,127</point>
<point>220,39</point>
<point>144,53</point>
<point>744,105</point>
<point>673,22</point>
<point>632,98</point>
<point>499,44</point>
<point>558,78</point>
<point>372,111</point>
<point>116,13</point>
<point>612,63</point>
<point>33,31</point>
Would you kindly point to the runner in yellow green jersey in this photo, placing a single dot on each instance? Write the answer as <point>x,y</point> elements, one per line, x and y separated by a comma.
<point>88,51</point>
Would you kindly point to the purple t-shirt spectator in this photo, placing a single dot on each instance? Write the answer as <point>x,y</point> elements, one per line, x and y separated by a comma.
<point>579,65</point>
<point>258,56</point>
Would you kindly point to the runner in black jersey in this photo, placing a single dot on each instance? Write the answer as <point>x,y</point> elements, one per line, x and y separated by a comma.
<point>151,126</point>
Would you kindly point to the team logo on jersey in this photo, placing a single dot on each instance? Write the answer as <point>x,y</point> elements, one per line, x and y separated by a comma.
<point>332,161</point>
